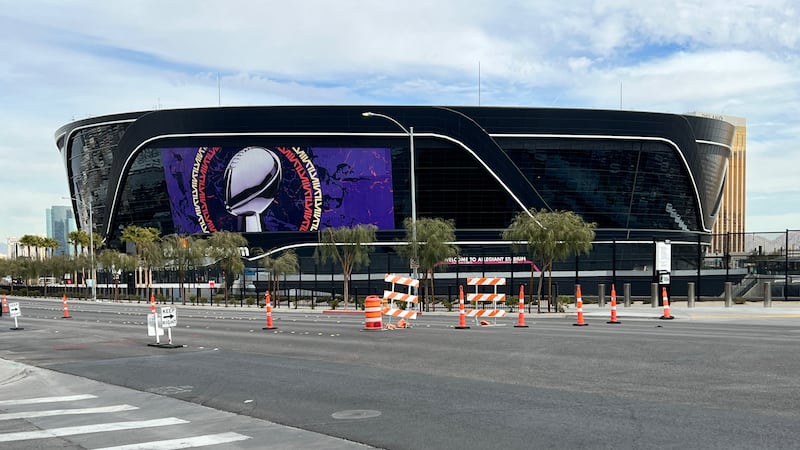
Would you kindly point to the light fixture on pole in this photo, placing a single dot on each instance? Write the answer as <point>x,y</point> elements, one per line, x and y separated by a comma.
<point>410,132</point>
<point>91,244</point>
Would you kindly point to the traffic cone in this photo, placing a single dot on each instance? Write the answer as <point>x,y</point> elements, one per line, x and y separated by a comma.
<point>613,306</point>
<point>152,303</point>
<point>66,310</point>
<point>579,305</point>
<point>5,305</point>
<point>268,301</point>
<point>666,315</point>
<point>521,319</point>
<point>462,318</point>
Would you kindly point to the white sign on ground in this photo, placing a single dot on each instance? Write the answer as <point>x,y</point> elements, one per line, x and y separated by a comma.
<point>13,309</point>
<point>169,317</point>
<point>151,325</point>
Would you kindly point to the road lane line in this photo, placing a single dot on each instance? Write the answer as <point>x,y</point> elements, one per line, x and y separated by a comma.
<point>30,401</point>
<point>64,412</point>
<point>85,429</point>
<point>197,441</point>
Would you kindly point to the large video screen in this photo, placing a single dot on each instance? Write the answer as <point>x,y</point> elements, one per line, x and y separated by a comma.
<point>257,188</point>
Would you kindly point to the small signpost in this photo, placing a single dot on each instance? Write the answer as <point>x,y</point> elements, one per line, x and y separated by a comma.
<point>167,318</point>
<point>13,310</point>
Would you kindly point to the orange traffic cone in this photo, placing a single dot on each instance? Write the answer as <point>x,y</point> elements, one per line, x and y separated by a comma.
<point>666,315</point>
<point>268,301</point>
<point>579,305</point>
<point>613,306</point>
<point>152,303</point>
<point>462,318</point>
<point>66,310</point>
<point>521,319</point>
<point>5,305</point>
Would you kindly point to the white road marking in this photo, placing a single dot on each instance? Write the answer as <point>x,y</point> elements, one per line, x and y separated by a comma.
<point>85,429</point>
<point>197,441</point>
<point>30,401</point>
<point>63,412</point>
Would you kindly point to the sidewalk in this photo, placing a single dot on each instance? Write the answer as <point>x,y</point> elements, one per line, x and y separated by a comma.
<point>705,310</point>
<point>708,310</point>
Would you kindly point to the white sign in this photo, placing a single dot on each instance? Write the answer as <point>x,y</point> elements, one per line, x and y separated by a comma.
<point>169,317</point>
<point>151,325</point>
<point>13,309</point>
<point>664,256</point>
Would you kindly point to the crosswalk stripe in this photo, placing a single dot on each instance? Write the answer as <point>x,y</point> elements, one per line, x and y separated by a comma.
<point>30,401</point>
<point>64,412</point>
<point>197,441</point>
<point>98,428</point>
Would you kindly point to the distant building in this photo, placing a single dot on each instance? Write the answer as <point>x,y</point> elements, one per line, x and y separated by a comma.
<point>60,222</point>
<point>728,230</point>
<point>15,250</point>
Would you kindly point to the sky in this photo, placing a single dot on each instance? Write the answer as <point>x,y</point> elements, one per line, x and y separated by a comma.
<point>66,60</point>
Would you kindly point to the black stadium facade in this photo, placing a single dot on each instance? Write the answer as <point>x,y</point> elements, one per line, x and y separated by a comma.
<point>280,174</point>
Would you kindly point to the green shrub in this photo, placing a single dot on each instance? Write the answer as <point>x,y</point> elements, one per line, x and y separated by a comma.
<point>563,302</point>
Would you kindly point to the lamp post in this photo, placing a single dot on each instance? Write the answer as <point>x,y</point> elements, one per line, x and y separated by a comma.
<point>91,245</point>
<point>410,132</point>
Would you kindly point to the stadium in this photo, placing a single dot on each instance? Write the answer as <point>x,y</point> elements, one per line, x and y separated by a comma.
<point>279,174</point>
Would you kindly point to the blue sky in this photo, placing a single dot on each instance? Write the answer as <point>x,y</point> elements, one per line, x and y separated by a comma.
<point>66,60</point>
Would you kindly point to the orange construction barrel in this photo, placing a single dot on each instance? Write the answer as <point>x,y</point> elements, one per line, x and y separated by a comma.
<point>373,313</point>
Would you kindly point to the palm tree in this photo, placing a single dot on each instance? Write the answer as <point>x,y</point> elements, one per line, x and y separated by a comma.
<point>223,246</point>
<point>434,244</point>
<point>551,235</point>
<point>112,260</point>
<point>349,247</point>
<point>50,244</point>
<point>184,253</point>
<point>148,252</point>
<point>286,263</point>
<point>29,240</point>
<point>76,238</point>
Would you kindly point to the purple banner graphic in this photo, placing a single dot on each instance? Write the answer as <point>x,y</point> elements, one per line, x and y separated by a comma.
<point>253,189</point>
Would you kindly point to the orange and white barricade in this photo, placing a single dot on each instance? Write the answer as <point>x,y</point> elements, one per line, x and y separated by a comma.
<point>493,297</point>
<point>391,296</point>
<point>372,314</point>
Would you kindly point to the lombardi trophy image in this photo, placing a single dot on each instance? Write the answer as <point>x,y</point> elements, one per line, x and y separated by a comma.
<point>251,180</point>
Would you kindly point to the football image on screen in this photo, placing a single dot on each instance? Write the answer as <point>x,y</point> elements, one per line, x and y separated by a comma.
<point>261,188</point>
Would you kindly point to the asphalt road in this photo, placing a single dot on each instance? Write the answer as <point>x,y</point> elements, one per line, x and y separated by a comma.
<point>641,384</point>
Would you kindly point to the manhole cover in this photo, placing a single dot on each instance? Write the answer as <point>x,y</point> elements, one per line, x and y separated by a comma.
<point>171,390</point>
<point>356,414</point>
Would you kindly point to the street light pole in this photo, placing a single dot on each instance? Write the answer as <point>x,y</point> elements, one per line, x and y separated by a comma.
<point>410,133</point>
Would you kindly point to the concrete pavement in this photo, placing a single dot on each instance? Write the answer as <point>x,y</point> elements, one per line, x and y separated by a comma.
<point>40,408</point>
